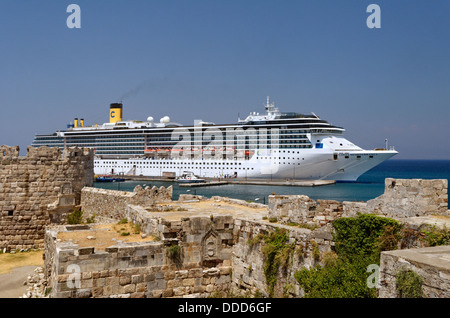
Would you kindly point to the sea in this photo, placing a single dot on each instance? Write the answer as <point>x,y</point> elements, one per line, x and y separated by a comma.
<point>368,186</point>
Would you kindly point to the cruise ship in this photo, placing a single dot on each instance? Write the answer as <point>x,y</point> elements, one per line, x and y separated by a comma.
<point>270,145</point>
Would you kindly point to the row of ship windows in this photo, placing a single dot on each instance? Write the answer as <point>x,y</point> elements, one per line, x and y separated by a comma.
<point>48,142</point>
<point>107,137</point>
<point>181,143</point>
<point>252,148</point>
<point>237,138</point>
<point>182,167</point>
<point>167,161</point>
<point>91,140</point>
<point>141,165</point>
<point>239,142</point>
<point>109,146</point>
<point>138,164</point>
<point>160,137</point>
<point>128,152</point>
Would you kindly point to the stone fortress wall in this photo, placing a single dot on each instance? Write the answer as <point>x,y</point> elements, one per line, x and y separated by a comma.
<point>193,255</point>
<point>111,204</point>
<point>402,198</point>
<point>37,190</point>
<point>215,251</point>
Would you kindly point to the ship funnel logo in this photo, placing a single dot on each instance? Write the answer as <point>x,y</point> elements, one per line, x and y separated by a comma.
<point>115,113</point>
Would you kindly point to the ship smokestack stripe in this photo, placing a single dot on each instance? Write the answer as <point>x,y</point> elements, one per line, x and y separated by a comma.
<point>115,113</point>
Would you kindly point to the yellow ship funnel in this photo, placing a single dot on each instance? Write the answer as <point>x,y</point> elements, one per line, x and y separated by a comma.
<point>75,123</point>
<point>81,122</point>
<point>115,113</point>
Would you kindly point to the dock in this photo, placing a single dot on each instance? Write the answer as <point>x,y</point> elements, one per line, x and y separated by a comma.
<point>291,183</point>
<point>218,182</point>
<point>202,184</point>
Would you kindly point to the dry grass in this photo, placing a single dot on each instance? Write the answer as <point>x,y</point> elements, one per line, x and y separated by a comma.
<point>105,235</point>
<point>10,261</point>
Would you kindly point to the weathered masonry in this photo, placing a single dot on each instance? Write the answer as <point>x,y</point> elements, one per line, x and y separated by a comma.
<point>39,189</point>
<point>200,247</point>
<point>431,264</point>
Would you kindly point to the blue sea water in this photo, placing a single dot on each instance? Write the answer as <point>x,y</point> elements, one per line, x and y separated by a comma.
<point>368,186</point>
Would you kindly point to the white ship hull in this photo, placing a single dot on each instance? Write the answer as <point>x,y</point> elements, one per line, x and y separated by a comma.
<point>311,164</point>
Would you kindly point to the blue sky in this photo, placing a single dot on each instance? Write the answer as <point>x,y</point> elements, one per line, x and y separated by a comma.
<point>213,60</point>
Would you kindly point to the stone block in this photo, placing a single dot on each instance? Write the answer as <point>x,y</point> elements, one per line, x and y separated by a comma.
<point>179,291</point>
<point>181,274</point>
<point>168,292</point>
<point>174,283</point>
<point>112,281</point>
<point>137,279</point>
<point>83,293</point>
<point>188,282</point>
<point>195,272</point>
<point>141,287</point>
<point>97,292</point>
<point>128,289</point>
<point>156,293</point>
<point>124,280</point>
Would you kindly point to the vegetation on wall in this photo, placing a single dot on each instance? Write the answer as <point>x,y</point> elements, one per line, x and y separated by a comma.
<point>358,243</point>
<point>276,251</point>
<point>434,236</point>
<point>408,284</point>
<point>343,272</point>
<point>76,217</point>
<point>174,253</point>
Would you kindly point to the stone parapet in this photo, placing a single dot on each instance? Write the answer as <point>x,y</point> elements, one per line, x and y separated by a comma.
<point>128,270</point>
<point>304,210</point>
<point>405,198</point>
<point>113,204</point>
<point>432,264</point>
<point>38,189</point>
<point>402,198</point>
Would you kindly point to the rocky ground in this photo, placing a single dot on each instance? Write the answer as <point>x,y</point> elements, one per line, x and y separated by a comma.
<point>36,284</point>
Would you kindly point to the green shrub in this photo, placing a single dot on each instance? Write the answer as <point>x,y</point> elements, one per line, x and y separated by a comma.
<point>436,236</point>
<point>358,243</point>
<point>123,221</point>
<point>174,253</point>
<point>91,219</point>
<point>273,219</point>
<point>125,233</point>
<point>137,228</point>
<point>338,278</point>
<point>76,217</point>
<point>276,251</point>
<point>315,250</point>
<point>408,284</point>
<point>365,235</point>
<point>256,239</point>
